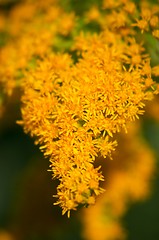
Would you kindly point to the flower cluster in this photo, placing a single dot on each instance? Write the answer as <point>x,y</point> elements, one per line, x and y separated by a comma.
<point>74,102</point>
<point>75,110</point>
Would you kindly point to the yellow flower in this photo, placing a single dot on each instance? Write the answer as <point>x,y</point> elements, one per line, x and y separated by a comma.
<point>66,23</point>
<point>155,33</point>
<point>75,110</point>
<point>154,21</point>
<point>142,24</point>
<point>155,70</point>
<point>93,14</point>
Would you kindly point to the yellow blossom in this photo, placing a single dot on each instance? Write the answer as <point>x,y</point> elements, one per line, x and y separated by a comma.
<point>155,70</point>
<point>155,33</point>
<point>142,24</point>
<point>74,112</point>
<point>154,21</point>
<point>93,14</point>
<point>66,23</point>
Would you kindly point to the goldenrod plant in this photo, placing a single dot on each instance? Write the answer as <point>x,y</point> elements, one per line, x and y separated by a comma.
<point>85,72</point>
